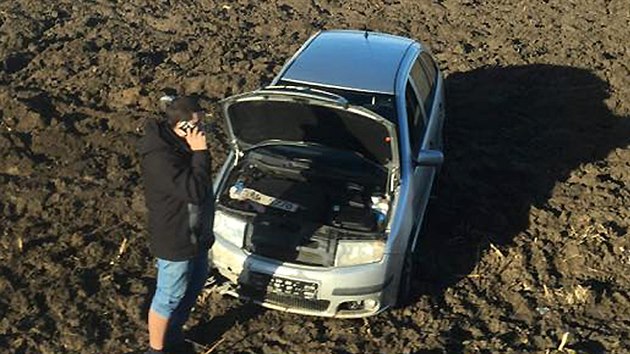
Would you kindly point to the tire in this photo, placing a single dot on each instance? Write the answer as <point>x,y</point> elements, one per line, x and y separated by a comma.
<point>406,277</point>
<point>410,270</point>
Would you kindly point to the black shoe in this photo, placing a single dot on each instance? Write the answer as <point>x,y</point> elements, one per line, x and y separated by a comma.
<point>181,347</point>
<point>153,351</point>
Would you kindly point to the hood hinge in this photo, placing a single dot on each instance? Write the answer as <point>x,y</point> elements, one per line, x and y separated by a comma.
<point>237,152</point>
<point>393,180</point>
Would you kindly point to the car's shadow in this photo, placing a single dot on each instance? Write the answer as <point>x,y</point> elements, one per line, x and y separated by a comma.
<point>512,133</point>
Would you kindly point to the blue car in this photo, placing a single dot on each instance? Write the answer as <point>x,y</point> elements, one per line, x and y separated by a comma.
<point>320,203</point>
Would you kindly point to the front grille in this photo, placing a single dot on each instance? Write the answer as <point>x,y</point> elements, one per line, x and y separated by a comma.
<point>283,292</point>
<point>291,241</point>
<point>314,253</point>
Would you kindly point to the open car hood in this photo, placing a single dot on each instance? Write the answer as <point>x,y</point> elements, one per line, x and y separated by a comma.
<point>302,115</point>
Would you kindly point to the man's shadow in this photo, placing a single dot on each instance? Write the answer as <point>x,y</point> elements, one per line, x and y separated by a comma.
<point>511,134</point>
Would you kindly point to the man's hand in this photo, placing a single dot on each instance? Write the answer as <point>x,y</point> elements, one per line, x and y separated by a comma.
<point>196,139</point>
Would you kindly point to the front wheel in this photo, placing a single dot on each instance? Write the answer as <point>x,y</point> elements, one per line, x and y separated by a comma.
<point>406,279</point>
<point>410,268</point>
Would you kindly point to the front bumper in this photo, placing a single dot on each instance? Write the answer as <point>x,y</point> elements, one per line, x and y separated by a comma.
<point>338,290</point>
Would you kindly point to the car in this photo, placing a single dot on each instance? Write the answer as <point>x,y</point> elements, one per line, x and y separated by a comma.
<point>321,200</point>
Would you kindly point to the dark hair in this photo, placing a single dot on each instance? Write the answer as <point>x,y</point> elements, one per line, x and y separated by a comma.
<point>181,109</point>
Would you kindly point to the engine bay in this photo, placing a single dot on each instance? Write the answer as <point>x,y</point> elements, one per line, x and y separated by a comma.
<point>298,206</point>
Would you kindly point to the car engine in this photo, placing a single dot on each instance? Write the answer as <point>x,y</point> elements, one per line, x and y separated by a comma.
<point>297,209</point>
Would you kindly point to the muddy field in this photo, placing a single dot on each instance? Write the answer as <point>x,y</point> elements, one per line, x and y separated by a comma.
<point>528,240</point>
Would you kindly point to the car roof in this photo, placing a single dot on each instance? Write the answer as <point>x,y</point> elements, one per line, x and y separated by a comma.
<point>356,60</point>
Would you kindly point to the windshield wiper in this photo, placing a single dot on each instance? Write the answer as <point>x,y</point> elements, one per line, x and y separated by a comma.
<point>370,161</point>
<point>280,160</point>
<point>277,142</point>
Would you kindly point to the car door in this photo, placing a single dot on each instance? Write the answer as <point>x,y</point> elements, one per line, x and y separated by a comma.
<point>416,126</point>
<point>423,132</point>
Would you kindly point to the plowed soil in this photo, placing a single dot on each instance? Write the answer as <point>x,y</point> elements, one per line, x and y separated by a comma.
<point>526,243</point>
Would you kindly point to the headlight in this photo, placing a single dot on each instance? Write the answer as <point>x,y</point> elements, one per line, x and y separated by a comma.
<point>358,252</point>
<point>229,228</point>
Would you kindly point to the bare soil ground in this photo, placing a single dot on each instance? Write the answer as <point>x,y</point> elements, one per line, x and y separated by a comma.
<point>527,241</point>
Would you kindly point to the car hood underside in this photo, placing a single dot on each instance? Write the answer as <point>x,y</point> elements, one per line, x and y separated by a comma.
<point>288,116</point>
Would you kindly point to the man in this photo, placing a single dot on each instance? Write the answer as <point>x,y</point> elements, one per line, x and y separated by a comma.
<point>178,193</point>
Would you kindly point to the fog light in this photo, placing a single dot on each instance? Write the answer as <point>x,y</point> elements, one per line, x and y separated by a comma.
<point>351,306</point>
<point>370,304</point>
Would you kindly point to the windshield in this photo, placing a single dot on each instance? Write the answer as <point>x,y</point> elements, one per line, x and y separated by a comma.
<point>257,121</point>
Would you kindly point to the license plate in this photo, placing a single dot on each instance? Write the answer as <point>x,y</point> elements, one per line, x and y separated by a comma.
<point>284,286</point>
<point>260,198</point>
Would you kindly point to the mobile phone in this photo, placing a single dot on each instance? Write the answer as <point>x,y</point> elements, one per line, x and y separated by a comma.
<point>187,126</point>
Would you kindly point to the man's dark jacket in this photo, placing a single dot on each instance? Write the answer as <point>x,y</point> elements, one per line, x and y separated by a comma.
<point>178,194</point>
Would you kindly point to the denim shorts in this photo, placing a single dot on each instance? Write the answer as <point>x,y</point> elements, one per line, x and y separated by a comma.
<point>178,284</point>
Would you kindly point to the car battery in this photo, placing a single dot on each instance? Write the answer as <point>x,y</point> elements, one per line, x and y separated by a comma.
<point>355,213</point>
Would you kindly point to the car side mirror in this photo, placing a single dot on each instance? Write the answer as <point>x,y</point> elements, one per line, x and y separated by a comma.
<point>429,158</point>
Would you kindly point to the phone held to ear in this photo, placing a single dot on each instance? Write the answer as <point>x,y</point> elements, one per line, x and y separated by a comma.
<point>187,126</point>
